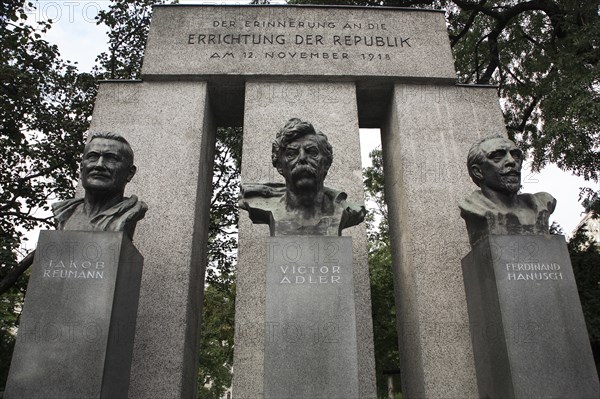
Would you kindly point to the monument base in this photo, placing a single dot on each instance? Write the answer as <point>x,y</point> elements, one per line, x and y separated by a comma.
<point>310,329</point>
<point>75,339</point>
<point>527,327</point>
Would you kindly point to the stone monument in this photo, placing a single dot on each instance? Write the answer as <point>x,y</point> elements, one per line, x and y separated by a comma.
<point>303,205</point>
<point>310,330</point>
<point>340,67</point>
<point>77,327</point>
<point>107,166</point>
<point>494,164</point>
<point>527,328</point>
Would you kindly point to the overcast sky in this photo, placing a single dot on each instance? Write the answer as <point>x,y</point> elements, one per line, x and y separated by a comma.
<point>80,39</point>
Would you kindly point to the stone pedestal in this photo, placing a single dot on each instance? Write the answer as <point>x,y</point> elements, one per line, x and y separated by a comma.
<point>527,328</point>
<point>310,329</point>
<point>331,107</point>
<point>75,339</point>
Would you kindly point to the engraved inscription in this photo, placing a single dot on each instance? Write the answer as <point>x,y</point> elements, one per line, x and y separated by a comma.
<point>250,36</point>
<point>71,260</point>
<point>533,271</point>
<point>311,274</point>
<point>87,270</point>
<point>322,268</point>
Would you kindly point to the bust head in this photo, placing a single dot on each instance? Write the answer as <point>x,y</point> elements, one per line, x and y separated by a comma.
<point>494,164</point>
<point>107,164</point>
<point>302,155</point>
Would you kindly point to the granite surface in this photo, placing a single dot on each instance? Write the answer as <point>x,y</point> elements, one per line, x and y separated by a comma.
<point>76,333</point>
<point>170,129</point>
<point>297,41</point>
<point>527,327</point>
<point>310,332</point>
<point>332,108</point>
<point>425,143</point>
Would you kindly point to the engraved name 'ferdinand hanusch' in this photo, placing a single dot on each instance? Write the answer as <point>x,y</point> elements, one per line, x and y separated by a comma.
<point>533,271</point>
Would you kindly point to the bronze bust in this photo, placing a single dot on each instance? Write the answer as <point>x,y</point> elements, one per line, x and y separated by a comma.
<point>303,205</point>
<point>494,164</point>
<point>106,167</point>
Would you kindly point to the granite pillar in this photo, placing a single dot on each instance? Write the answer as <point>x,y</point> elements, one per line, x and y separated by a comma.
<point>527,327</point>
<point>425,143</point>
<point>332,108</point>
<point>310,342</point>
<point>77,327</point>
<point>170,128</point>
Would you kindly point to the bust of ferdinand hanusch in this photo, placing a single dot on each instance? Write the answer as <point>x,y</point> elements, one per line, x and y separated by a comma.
<point>494,164</point>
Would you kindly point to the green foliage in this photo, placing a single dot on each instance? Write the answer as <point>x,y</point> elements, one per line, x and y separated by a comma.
<point>216,337</point>
<point>377,218</point>
<point>380,270</point>
<point>585,258</point>
<point>384,315</point>
<point>10,310</point>
<point>544,57</point>
<point>224,212</point>
<point>128,23</point>
<point>45,107</point>
<point>216,341</point>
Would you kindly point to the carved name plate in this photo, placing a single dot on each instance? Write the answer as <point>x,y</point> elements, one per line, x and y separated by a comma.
<point>75,339</point>
<point>527,328</point>
<point>298,41</point>
<point>310,330</point>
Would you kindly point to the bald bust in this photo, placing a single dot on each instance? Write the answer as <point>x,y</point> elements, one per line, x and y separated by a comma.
<point>106,168</point>
<point>494,164</point>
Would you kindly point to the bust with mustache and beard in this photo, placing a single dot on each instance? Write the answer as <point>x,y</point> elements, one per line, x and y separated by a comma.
<point>494,164</point>
<point>303,205</point>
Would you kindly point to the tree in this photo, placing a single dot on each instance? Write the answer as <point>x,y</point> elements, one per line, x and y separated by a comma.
<point>216,341</point>
<point>544,56</point>
<point>585,258</point>
<point>44,110</point>
<point>383,308</point>
<point>128,23</point>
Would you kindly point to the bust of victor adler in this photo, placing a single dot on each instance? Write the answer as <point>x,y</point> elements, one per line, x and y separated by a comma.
<point>303,205</point>
<point>107,166</point>
<point>494,164</point>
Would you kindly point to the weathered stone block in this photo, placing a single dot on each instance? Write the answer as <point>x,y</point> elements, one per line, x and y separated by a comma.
<point>310,329</point>
<point>527,327</point>
<point>77,328</point>
<point>298,41</point>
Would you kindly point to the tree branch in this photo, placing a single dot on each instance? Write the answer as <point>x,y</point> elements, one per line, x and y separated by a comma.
<point>467,26</point>
<point>16,272</point>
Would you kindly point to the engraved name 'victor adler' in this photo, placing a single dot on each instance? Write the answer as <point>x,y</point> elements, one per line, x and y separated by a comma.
<point>310,274</point>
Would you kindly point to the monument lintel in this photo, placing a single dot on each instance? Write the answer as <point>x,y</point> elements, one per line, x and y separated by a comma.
<point>298,41</point>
